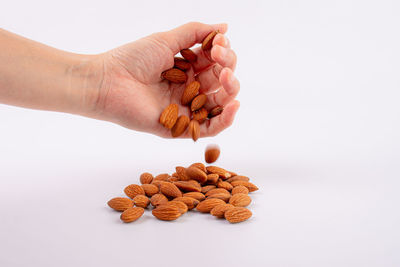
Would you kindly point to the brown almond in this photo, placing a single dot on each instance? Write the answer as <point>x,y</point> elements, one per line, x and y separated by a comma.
<point>212,153</point>
<point>172,179</point>
<point>252,187</point>
<point>196,195</point>
<point>207,188</point>
<point>157,183</point>
<point>208,204</point>
<point>240,200</point>
<point>188,186</point>
<point>175,175</point>
<point>182,64</point>
<point>150,189</point>
<point>223,196</point>
<point>219,210</point>
<point>238,178</point>
<point>189,55</point>
<point>233,173</point>
<point>198,102</point>
<point>133,190</point>
<point>132,214</point>
<point>224,174</point>
<point>179,204</point>
<point>207,42</point>
<point>190,92</point>
<point>120,203</point>
<point>141,201</point>
<point>169,116</point>
<point>161,177</point>
<point>194,130</point>
<point>190,202</point>
<point>240,189</point>
<point>200,115</point>
<point>196,174</point>
<point>146,178</point>
<point>217,191</point>
<point>215,112</point>
<point>158,199</point>
<point>180,126</point>
<point>225,185</point>
<point>166,212</point>
<point>199,165</point>
<point>212,178</point>
<point>170,190</point>
<point>175,75</point>
<point>181,172</point>
<point>237,214</point>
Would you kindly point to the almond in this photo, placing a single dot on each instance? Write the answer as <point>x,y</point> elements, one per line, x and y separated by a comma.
<point>233,173</point>
<point>180,126</point>
<point>194,130</point>
<point>120,203</point>
<point>208,204</point>
<point>175,175</point>
<point>189,55</point>
<point>200,115</point>
<point>158,199</point>
<point>212,178</point>
<point>237,214</point>
<point>169,116</point>
<point>166,212</point>
<point>196,195</point>
<point>223,196</point>
<point>207,42</point>
<point>196,174</point>
<point>238,178</point>
<point>225,185</point>
<point>141,201</point>
<point>133,190</point>
<point>161,177</point>
<point>190,202</point>
<point>207,188</point>
<point>179,204</point>
<point>188,186</point>
<point>181,64</point>
<point>175,75</point>
<point>132,214</point>
<point>216,191</point>
<point>240,200</point>
<point>199,165</point>
<point>198,102</point>
<point>252,187</point>
<point>181,172</point>
<point>212,153</point>
<point>150,189</point>
<point>224,174</point>
<point>219,210</point>
<point>146,178</point>
<point>157,183</point>
<point>240,189</point>
<point>190,92</point>
<point>172,179</point>
<point>215,112</point>
<point>170,190</point>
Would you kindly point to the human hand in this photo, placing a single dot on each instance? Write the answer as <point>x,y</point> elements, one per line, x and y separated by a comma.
<point>133,94</point>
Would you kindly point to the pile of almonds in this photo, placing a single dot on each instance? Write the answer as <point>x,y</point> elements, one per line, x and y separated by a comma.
<point>208,189</point>
<point>170,118</point>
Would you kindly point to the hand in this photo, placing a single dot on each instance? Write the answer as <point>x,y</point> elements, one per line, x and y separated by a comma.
<point>133,94</point>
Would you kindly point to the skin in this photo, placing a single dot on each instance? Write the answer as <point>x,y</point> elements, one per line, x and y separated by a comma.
<point>122,85</point>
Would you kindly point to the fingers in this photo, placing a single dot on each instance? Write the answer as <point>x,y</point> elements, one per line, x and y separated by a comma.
<point>224,57</point>
<point>228,92</point>
<point>221,122</point>
<point>188,34</point>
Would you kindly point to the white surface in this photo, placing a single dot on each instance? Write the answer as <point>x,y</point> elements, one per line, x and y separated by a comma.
<point>318,131</point>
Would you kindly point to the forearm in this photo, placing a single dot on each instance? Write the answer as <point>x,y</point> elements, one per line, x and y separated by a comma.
<point>36,76</point>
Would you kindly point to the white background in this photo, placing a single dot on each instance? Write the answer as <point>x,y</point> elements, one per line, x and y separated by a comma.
<point>318,131</point>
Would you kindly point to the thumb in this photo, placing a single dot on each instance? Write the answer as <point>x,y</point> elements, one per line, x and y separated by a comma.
<point>189,34</point>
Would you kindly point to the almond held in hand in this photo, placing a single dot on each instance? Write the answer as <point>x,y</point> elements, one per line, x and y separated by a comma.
<point>207,42</point>
<point>198,102</point>
<point>200,115</point>
<point>194,130</point>
<point>190,92</point>
<point>181,64</point>
<point>189,55</point>
<point>215,112</point>
<point>180,126</point>
<point>169,116</point>
<point>175,75</point>
<point>212,153</point>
